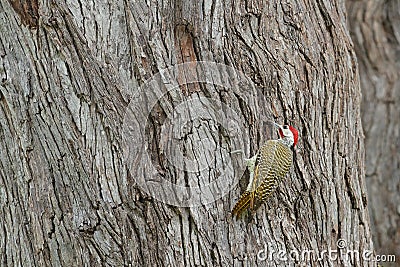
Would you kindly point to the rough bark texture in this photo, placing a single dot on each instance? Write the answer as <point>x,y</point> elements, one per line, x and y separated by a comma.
<point>68,197</point>
<point>375,29</point>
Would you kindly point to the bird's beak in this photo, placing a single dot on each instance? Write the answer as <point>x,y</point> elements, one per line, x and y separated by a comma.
<point>279,128</point>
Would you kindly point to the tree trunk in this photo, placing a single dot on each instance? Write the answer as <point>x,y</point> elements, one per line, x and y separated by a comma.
<point>117,128</point>
<point>375,28</point>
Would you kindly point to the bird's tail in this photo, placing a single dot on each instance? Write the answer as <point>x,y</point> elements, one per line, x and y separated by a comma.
<point>242,204</point>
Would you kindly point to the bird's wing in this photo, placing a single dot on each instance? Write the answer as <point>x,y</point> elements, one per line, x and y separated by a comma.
<point>263,164</point>
<point>265,161</point>
<point>275,161</point>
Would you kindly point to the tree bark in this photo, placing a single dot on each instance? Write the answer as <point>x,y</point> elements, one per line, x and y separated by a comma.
<point>112,154</point>
<point>375,30</point>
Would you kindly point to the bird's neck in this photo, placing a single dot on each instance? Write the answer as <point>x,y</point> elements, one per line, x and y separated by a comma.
<point>287,141</point>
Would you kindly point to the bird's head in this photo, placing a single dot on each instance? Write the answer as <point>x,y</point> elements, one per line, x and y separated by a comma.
<point>289,133</point>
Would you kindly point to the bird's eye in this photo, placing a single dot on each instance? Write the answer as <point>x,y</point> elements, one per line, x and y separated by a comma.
<point>285,126</point>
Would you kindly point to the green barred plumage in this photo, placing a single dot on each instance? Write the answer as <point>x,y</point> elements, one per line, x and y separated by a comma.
<point>273,163</point>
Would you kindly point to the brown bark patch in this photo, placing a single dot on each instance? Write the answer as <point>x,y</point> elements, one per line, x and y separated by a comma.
<point>27,11</point>
<point>186,53</point>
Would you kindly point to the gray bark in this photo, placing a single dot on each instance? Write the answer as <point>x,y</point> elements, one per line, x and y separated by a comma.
<point>375,29</point>
<point>84,179</point>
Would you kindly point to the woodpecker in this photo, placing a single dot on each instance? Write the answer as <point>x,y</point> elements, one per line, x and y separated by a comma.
<point>267,168</point>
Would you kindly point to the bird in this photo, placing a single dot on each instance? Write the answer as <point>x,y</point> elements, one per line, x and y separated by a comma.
<point>267,169</point>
